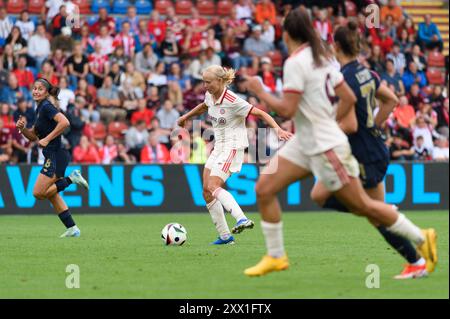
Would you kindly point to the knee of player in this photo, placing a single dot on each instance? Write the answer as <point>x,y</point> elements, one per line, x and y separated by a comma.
<point>316,198</point>
<point>39,195</point>
<point>263,190</point>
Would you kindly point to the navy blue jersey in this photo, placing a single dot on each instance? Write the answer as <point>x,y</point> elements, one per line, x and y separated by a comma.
<point>367,144</point>
<point>45,124</point>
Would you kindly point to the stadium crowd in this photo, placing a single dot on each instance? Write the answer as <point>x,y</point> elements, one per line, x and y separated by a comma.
<point>126,79</point>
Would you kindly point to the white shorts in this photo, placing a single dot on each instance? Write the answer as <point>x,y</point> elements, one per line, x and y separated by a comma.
<point>223,163</point>
<point>333,168</point>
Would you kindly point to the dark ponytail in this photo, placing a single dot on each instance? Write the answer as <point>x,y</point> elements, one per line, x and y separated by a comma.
<point>54,91</point>
<point>299,26</point>
<point>348,39</point>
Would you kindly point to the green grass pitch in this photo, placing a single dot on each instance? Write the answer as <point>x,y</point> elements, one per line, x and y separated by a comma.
<point>123,256</point>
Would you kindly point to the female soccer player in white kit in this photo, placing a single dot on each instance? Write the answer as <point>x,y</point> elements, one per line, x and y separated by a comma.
<point>227,113</point>
<point>319,146</point>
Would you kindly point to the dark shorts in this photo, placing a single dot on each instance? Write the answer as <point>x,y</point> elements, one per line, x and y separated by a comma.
<point>55,162</point>
<point>372,174</point>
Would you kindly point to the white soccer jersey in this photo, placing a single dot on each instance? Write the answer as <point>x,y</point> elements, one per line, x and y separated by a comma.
<point>315,123</point>
<point>228,115</point>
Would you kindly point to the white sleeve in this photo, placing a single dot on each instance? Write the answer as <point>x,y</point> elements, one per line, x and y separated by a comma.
<point>336,77</point>
<point>293,77</point>
<point>241,107</point>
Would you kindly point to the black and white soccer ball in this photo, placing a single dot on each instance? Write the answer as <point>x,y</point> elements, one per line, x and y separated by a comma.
<point>174,234</point>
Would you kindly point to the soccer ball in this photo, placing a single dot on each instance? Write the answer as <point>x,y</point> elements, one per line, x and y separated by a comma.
<point>174,234</point>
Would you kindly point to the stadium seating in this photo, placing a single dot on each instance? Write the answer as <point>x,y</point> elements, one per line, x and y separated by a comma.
<point>98,130</point>
<point>98,4</point>
<point>117,129</point>
<point>35,6</point>
<point>435,76</point>
<point>183,7</point>
<point>436,59</point>
<point>224,7</point>
<point>143,6</point>
<point>206,7</point>
<point>15,6</point>
<point>91,20</point>
<point>83,5</point>
<point>162,5</point>
<point>120,6</point>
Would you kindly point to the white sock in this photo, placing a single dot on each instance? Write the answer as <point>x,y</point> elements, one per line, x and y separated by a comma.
<point>420,262</point>
<point>405,228</point>
<point>229,203</point>
<point>273,234</point>
<point>218,217</point>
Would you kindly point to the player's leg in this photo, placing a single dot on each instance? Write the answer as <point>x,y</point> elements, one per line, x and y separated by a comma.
<point>64,215</point>
<point>227,163</point>
<point>267,188</point>
<point>216,211</point>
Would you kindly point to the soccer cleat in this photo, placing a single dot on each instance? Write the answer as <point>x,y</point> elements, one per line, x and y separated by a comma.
<point>268,264</point>
<point>220,241</point>
<point>76,178</point>
<point>411,271</point>
<point>73,231</point>
<point>428,249</point>
<point>241,225</point>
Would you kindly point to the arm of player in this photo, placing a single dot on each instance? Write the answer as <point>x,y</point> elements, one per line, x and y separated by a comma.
<point>388,100</point>
<point>282,134</point>
<point>198,110</point>
<point>286,106</point>
<point>28,133</point>
<point>347,100</point>
<point>349,124</point>
<point>62,124</point>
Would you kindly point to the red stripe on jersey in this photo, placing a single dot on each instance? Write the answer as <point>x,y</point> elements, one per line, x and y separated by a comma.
<point>223,96</point>
<point>249,112</point>
<point>337,166</point>
<point>227,164</point>
<point>229,97</point>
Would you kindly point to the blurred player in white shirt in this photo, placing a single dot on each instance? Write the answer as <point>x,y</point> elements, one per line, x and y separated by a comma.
<point>319,147</point>
<point>227,113</point>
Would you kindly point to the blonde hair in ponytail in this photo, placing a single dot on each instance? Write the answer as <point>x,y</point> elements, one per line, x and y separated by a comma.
<point>226,75</point>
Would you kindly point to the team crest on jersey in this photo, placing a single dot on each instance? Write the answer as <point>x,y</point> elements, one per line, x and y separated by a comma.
<point>222,111</point>
<point>222,121</point>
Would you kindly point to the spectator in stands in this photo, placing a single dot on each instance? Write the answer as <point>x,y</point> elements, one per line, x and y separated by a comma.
<point>443,119</point>
<point>159,78</point>
<point>268,77</point>
<point>437,98</point>
<point>211,41</point>
<point>177,77</point>
<point>142,113</point>
<point>109,102</point>
<point>78,67</point>
<point>232,51</point>
<point>135,138</point>
<point>399,149</point>
<point>194,96</point>
<point>393,10</point>
<point>39,46</point>
<point>191,42</point>
<point>265,10</point>
<point>386,42</point>
<point>154,152</point>
<point>24,76</point>
<point>157,27</point>
<point>245,10</point>
<point>17,41</point>
<point>415,96</point>
<point>59,62</point>
<point>376,60</point>
<point>64,41</point>
<point>398,58</point>
<point>413,75</point>
<point>167,116</point>
<point>175,23</point>
<point>89,93</point>
<point>169,47</point>
<point>421,153</point>
<point>48,73</point>
<point>417,57</point>
<point>405,42</point>
<point>25,25</point>
<point>75,116</point>
<point>6,115</point>
<point>11,93</point>
<point>5,25</point>
<point>118,56</point>
<point>109,151</point>
<point>5,142</point>
<point>392,77</point>
<point>391,28</point>
<point>428,35</point>
<point>103,20</point>
<point>25,110</point>
<point>86,39</point>
<point>116,73</point>
<point>422,128</point>
<point>405,115</point>
<point>440,150</point>
<point>142,36</point>
<point>323,25</point>
<point>87,110</point>
<point>59,21</point>
<point>240,27</point>
<point>126,40</point>
<point>212,58</point>
<point>153,98</point>
<point>133,19</point>
<point>21,148</point>
<point>408,26</point>
<point>146,60</point>
<point>105,40</point>
<point>65,95</point>
<point>98,65</point>
<point>86,152</point>
<point>256,48</point>
<point>196,23</point>
<point>197,66</point>
<point>7,59</point>
<point>427,112</point>
<point>132,83</point>
<point>54,7</point>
